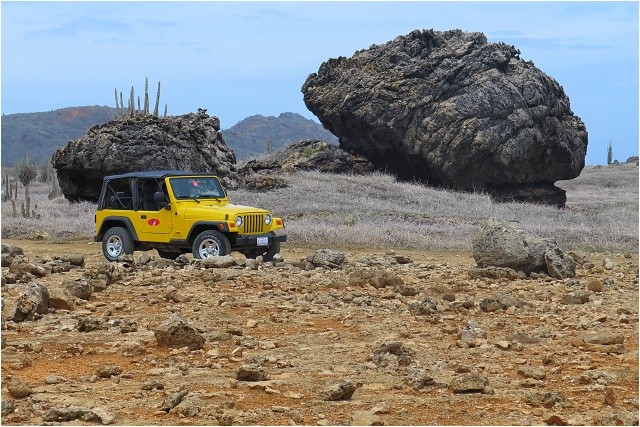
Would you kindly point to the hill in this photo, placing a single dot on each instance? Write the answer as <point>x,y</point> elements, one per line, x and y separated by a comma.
<point>39,135</point>
<point>249,137</point>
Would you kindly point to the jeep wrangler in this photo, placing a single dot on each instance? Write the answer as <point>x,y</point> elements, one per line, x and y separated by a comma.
<point>176,212</point>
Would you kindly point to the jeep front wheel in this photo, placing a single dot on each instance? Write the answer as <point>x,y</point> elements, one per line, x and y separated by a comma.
<point>210,243</point>
<point>116,242</point>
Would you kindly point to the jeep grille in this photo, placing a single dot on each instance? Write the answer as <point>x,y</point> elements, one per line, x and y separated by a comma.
<point>253,223</point>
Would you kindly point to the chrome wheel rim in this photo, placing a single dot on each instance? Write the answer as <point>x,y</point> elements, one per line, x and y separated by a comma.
<point>114,246</point>
<point>208,248</point>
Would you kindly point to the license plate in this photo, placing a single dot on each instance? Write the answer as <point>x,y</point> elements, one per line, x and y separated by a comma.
<point>263,241</point>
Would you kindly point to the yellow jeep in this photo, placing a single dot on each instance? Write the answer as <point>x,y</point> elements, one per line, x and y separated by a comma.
<point>177,212</point>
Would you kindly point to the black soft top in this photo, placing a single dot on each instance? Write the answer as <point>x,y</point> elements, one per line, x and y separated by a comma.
<point>154,174</point>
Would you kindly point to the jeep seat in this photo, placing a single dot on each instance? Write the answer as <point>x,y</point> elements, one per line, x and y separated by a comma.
<point>148,202</point>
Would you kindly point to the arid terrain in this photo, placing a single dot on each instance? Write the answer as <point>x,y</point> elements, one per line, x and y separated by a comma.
<point>422,342</point>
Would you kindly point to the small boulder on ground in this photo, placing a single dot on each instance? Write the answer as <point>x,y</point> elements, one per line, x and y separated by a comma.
<point>341,391</point>
<point>503,244</point>
<point>80,288</point>
<point>176,332</point>
<point>391,351</point>
<point>9,252</point>
<point>33,302</point>
<point>326,258</point>
<point>18,389</point>
<point>252,372</point>
<point>469,383</point>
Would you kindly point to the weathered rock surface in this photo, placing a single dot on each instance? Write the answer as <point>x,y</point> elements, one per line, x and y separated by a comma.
<point>327,258</point>
<point>503,244</point>
<point>469,383</point>
<point>33,302</point>
<point>191,142</point>
<point>259,174</point>
<point>176,332</point>
<point>9,252</point>
<point>452,109</point>
<point>341,391</point>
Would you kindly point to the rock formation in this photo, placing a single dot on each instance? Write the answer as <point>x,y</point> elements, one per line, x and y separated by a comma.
<point>190,142</point>
<point>261,174</point>
<point>452,109</point>
<point>502,244</point>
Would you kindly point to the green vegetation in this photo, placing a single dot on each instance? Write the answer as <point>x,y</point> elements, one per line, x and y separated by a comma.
<point>609,154</point>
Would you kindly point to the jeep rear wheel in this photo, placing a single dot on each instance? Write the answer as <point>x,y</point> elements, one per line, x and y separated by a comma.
<point>116,242</point>
<point>210,243</point>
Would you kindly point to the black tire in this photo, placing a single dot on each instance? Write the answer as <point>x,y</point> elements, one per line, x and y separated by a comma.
<point>168,254</point>
<point>116,242</point>
<point>273,250</point>
<point>210,243</point>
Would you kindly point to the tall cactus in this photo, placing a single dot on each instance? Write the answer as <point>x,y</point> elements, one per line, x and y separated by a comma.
<point>131,109</point>
<point>132,102</point>
<point>146,96</point>
<point>155,110</point>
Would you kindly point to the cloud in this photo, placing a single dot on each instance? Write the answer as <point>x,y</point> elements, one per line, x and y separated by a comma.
<point>81,27</point>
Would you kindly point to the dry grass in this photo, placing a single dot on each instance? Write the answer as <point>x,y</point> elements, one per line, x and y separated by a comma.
<point>375,211</point>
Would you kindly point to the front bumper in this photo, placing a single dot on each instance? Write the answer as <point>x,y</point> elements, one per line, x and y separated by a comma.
<point>244,241</point>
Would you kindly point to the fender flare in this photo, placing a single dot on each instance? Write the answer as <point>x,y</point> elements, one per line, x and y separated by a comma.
<point>221,226</point>
<point>122,219</point>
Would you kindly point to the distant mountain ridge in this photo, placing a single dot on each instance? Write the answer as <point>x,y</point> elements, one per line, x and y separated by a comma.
<point>250,137</point>
<point>38,135</point>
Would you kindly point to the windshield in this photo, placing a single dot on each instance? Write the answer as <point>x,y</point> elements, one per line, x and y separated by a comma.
<point>205,187</point>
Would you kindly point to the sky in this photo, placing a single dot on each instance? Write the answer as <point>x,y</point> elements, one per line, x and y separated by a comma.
<point>238,59</point>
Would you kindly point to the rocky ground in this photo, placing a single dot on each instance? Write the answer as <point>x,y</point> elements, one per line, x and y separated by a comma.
<point>404,338</point>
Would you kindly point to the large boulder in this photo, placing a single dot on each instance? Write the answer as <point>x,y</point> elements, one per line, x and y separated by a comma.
<point>190,142</point>
<point>453,110</point>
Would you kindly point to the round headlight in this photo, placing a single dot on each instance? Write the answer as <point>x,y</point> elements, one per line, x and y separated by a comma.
<point>267,219</point>
<point>239,221</point>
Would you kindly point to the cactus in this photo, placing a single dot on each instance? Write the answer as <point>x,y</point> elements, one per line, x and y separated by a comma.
<point>6,193</point>
<point>55,188</point>
<point>155,110</point>
<point>269,145</point>
<point>132,103</point>
<point>117,106</point>
<point>131,109</point>
<point>146,96</point>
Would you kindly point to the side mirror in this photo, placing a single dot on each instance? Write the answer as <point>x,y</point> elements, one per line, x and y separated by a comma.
<point>159,198</point>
